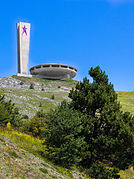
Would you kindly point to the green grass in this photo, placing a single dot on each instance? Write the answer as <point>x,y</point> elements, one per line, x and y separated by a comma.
<point>127,101</point>
<point>20,158</point>
<point>63,82</point>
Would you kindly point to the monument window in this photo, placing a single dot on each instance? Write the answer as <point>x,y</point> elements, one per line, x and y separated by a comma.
<point>55,65</point>
<point>71,68</point>
<point>64,66</point>
<point>45,66</point>
<point>38,67</point>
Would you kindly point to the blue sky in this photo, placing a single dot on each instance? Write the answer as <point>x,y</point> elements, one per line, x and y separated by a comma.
<point>81,33</point>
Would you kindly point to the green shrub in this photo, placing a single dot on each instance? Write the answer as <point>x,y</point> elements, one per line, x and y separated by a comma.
<point>31,86</point>
<point>44,170</point>
<point>21,83</point>
<point>25,116</point>
<point>40,105</point>
<point>100,171</point>
<point>13,154</point>
<point>34,126</point>
<point>62,134</point>
<point>52,97</point>
<point>8,113</point>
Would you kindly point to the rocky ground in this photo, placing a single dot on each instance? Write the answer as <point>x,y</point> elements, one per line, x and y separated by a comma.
<point>31,95</point>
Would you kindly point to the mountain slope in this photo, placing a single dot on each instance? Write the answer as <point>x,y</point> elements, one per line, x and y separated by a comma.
<point>127,101</point>
<point>20,158</point>
<point>46,94</point>
<point>20,153</point>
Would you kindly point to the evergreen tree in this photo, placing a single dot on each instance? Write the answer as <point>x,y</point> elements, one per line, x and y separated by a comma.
<point>62,135</point>
<point>8,113</point>
<point>108,132</point>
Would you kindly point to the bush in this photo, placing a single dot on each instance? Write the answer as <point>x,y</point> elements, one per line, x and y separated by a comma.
<point>31,86</point>
<point>52,97</point>
<point>62,134</point>
<point>21,83</point>
<point>40,105</point>
<point>25,116</point>
<point>8,113</point>
<point>100,171</point>
<point>34,126</point>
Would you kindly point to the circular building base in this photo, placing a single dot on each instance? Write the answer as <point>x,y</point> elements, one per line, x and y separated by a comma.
<point>53,71</point>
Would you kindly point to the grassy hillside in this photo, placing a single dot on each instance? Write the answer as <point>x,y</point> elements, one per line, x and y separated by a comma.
<point>20,154</point>
<point>29,101</point>
<point>20,158</point>
<point>127,101</point>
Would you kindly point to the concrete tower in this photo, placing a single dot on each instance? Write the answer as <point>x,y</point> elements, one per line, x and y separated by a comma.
<point>23,41</point>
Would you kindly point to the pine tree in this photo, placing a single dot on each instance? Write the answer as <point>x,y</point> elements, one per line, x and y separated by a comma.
<point>108,132</point>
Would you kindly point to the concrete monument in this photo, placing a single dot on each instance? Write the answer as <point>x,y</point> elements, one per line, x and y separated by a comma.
<point>23,41</point>
<point>53,71</point>
<point>48,71</point>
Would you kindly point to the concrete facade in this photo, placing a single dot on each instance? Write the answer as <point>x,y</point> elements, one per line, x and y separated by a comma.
<point>53,71</point>
<point>23,42</point>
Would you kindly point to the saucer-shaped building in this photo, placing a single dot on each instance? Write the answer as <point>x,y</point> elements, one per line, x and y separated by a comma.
<point>53,71</point>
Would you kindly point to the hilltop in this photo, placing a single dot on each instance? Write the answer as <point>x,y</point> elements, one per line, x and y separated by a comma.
<point>33,94</point>
<point>46,94</point>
